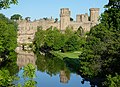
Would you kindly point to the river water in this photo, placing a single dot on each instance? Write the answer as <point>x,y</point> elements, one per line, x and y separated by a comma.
<point>51,71</point>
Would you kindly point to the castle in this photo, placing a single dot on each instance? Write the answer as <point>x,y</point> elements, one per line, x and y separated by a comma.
<point>27,28</point>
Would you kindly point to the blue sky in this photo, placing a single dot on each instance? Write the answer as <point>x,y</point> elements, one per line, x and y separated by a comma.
<point>37,9</point>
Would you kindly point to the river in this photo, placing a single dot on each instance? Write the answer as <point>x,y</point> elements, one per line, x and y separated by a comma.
<point>51,71</point>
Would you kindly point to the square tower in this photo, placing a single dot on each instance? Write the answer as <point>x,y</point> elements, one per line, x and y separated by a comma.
<point>64,18</point>
<point>94,14</point>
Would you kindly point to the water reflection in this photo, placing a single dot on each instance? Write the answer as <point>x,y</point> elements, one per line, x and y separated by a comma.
<point>24,58</point>
<point>64,78</point>
<point>51,71</point>
<point>10,64</point>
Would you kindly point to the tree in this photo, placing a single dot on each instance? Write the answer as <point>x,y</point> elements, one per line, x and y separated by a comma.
<point>54,39</point>
<point>72,44</point>
<point>113,4</point>
<point>71,19</point>
<point>39,39</point>
<point>56,20</point>
<point>6,3</point>
<point>16,17</point>
<point>8,43</point>
<point>27,18</point>
<point>5,78</point>
<point>101,54</point>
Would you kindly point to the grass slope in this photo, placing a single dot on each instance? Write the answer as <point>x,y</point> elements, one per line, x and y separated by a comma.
<point>61,55</point>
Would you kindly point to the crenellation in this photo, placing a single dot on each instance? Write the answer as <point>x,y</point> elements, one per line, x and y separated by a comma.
<point>82,18</point>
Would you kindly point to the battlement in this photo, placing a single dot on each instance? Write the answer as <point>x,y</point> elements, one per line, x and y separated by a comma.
<point>94,9</point>
<point>64,12</point>
<point>82,17</point>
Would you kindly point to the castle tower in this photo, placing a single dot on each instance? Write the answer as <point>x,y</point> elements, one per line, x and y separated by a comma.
<point>94,14</point>
<point>64,18</point>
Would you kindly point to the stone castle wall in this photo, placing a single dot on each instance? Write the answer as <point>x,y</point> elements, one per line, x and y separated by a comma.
<point>27,28</point>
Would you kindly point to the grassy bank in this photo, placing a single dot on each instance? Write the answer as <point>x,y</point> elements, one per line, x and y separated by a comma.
<point>61,55</point>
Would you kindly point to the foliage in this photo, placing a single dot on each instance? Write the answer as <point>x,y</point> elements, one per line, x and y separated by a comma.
<point>27,18</point>
<point>8,37</point>
<point>113,81</point>
<point>49,64</point>
<point>113,4</point>
<point>71,19</point>
<point>16,17</point>
<point>101,54</point>
<point>5,78</point>
<point>56,20</point>
<point>51,36</point>
<point>8,43</point>
<point>69,32</point>
<point>30,83</point>
<point>72,44</point>
<point>39,38</point>
<point>53,39</point>
<point>6,3</point>
<point>29,71</point>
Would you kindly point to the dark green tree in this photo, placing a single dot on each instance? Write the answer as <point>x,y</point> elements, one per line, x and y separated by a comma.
<point>16,17</point>
<point>101,54</point>
<point>71,19</point>
<point>56,20</point>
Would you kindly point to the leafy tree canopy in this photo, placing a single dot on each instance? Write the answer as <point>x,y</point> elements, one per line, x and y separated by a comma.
<point>113,4</point>
<point>16,17</point>
<point>6,3</point>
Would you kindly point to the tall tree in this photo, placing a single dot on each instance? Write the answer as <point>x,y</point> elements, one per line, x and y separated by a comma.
<point>8,43</point>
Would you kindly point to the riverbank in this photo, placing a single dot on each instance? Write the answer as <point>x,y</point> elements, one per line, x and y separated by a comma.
<point>61,55</point>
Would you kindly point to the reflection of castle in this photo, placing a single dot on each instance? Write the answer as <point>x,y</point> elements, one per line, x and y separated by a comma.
<point>23,58</point>
<point>63,77</point>
<point>27,28</point>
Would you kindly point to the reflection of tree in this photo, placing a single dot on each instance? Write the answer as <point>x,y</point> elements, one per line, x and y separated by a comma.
<point>51,65</point>
<point>10,65</point>
<point>72,64</point>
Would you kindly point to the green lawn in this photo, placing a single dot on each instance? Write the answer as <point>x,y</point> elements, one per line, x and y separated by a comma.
<point>59,54</point>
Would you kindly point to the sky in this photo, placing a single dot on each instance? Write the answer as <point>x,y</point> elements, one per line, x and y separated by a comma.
<point>37,9</point>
